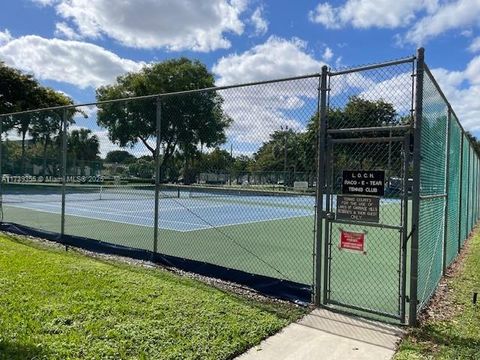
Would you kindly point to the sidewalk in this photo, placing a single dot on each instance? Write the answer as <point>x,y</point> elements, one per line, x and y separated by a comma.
<point>323,334</point>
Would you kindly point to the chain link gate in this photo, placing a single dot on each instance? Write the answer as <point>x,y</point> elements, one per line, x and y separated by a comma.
<point>365,154</point>
<point>366,235</point>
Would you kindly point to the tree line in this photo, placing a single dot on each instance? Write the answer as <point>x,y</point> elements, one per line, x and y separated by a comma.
<point>193,129</point>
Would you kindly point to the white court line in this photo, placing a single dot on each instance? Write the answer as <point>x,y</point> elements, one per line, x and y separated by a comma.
<point>109,213</point>
<point>107,210</point>
<point>251,222</point>
<point>203,226</point>
<point>161,209</point>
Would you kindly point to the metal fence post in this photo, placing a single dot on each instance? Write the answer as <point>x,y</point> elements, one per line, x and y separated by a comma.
<point>403,291</point>
<point>447,187</point>
<point>64,172</point>
<point>322,129</point>
<point>467,229</point>
<point>459,240</point>
<point>158,133</point>
<point>412,319</point>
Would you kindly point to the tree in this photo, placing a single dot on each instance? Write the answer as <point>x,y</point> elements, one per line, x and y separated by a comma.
<point>188,122</point>
<point>302,147</point>
<point>240,166</point>
<point>475,142</point>
<point>46,126</point>
<point>357,113</point>
<point>142,168</point>
<point>217,161</point>
<point>119,157</point>
<point>82,146</point>
<point>284,149</point>
<point>19,92</point>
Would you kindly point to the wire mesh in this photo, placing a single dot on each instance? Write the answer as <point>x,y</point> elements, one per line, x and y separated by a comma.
<point>375,283</point>
<point>379,101</point>
<point>464,192</point>
<point>228,177</point>
<point>454,183</point>
<point>247,194</point>
<point>30,156</point>
<point>432,190</point>
<point>236,178</point>
<point>461,201</point>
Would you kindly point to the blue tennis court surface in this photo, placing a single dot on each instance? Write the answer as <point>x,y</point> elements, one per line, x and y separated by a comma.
<point>183,214</point>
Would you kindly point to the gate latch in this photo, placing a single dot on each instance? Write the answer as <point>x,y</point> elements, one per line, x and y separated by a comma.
<point>329,215</point>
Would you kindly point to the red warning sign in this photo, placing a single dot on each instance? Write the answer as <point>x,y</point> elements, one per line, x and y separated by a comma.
<point>352,241</point>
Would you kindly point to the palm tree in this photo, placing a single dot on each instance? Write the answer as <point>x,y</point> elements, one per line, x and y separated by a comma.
<point>82,146</point>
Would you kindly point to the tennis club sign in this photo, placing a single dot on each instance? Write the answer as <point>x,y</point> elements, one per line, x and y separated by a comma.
<point>359,182</point>
<point>352,241</point>
<point>358,208</point>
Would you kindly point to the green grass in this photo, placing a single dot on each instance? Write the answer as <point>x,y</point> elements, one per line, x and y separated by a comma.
<point>65,305</point>
<point>458,335</point>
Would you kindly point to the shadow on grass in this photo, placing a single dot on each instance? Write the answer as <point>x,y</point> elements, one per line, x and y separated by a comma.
<point>16,351</point>
<point>463,344</point>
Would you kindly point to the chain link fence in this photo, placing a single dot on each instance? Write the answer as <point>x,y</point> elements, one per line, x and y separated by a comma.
<point>247,183</point>
<point>447,199</point>
<point>218,181</point>
<point>368,121</point>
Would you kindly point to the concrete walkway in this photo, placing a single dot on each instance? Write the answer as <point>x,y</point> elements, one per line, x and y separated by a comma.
<point>323,334</point>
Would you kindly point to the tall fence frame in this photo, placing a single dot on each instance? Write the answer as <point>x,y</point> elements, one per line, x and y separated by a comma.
<point>444,189</point>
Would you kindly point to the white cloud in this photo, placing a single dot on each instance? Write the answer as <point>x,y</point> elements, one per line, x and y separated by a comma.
<point>63,30</point>
<point>326,15</point>
<point>259,22</point>
<point>462,89</point>
<point>171,24</point>
<point>426,18</point>
<point>259,110</point>
<point>451,15</point>
<point>275,58</point>
<point>5,37</point>
<point>370,13</point>
<point>78,63</point>
<point>396,90</point>
<point>44,2</point>
<point>327,54</point>
<point>475,45</point>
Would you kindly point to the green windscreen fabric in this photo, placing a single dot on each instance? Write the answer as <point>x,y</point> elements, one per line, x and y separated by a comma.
<point>453,227</point>
<point>464,191</point>
<point>432,190</point>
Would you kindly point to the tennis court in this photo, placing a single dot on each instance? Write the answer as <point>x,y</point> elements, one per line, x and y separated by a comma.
<point>180,210</point>
<point>258,232</point>
<point>262,233</point>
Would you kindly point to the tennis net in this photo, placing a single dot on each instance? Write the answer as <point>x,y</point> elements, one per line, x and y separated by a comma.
<point>25,192</point>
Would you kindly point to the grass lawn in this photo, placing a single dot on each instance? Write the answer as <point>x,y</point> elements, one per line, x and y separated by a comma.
<point>65,305</point>
<point>453,330</point>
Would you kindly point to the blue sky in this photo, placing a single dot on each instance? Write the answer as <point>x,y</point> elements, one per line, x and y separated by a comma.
<point>76,45</point>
